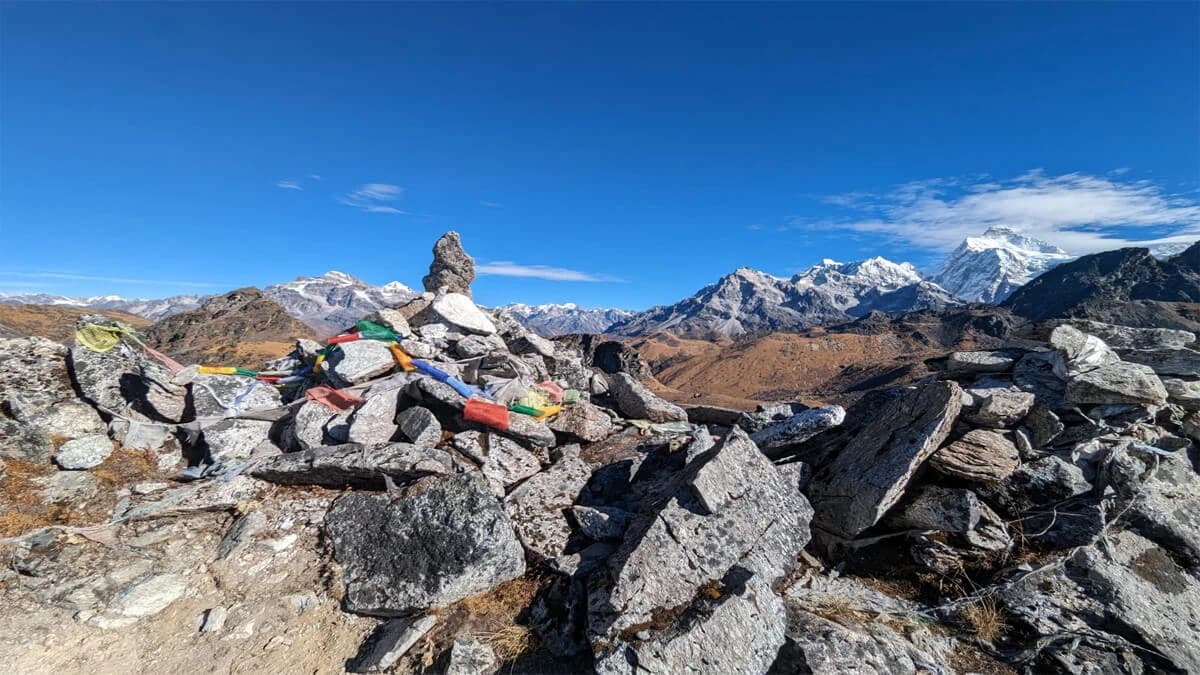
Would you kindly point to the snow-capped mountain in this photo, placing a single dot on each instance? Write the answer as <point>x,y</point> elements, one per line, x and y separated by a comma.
<point>150,309</point>
<point>564,319</point>
<point>328,303</point>
<point>750,302</point>
<point>335,300</point>
<point>988,268</point>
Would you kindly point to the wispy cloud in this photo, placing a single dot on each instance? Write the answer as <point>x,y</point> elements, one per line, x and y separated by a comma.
<point>491,205</point>
<point>315,176</point>
<point>374,198</point>
<point>1079,212</point>
<point>505,268</point>
<point>71,276</point>
<point>289,185</point>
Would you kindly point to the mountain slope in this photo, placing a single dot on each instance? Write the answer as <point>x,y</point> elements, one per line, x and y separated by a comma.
<point>1104,285</point>
<point>749,302</point>
<point>242,327</point>
<point>56,322</point>
<point>988,268</point>
<point>565,319</point>
<point>335,300</point>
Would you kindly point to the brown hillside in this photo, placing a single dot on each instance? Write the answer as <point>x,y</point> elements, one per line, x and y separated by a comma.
<point>54,322</point>
<point>242,327</point>
<point>834,364</point>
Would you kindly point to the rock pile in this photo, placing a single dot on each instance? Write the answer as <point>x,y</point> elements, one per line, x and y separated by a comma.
<point>1053,484</point>
<point>1059,479</point>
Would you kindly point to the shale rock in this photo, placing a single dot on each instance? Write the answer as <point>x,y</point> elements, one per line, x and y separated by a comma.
<point>1181,361</point>
<point>354,465</point>
<point>870,474</point>
<point>727,517</point>
<point>978,456</point>
<point>799,428</point>
<point>1125,337</point>
<point>1117,383</point>
<point>443,540</point>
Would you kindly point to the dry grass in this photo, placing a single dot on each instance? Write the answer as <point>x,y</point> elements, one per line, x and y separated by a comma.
<point>511,642</point>
<point>839,610</point>
<point>124,467</point>
<point>984,619</point>
<point>21,505</point>
<point>494,617</point>
<point>57,323</point>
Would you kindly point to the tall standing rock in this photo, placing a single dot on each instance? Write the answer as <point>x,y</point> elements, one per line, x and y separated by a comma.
<point>452,269</point>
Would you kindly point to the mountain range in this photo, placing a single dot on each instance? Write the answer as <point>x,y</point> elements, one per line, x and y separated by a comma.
<point>989,268</point>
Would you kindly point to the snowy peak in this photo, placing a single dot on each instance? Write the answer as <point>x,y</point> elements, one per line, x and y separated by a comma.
<point>988,268</point>
<point>551,320</point>
<point>335,300</point>
<point>748,301</point>
<point>877,272</point>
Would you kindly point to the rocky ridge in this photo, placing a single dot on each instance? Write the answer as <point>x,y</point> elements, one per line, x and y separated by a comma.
<point>1040,500</point>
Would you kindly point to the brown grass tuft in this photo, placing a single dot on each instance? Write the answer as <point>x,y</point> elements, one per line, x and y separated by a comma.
<point>984,619</point>
<point>125,466</point>
<point>838,610</point>
<point>511,642</point>
<point>21,505</point>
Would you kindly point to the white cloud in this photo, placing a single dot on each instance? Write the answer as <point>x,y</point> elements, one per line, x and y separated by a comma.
<point>491,205</point>
<point>71,276</point>
<point>1081,213</point>
<point>505,268</point>
<point>289,185</point>
<point>315,176</point>
<point>373,198</point>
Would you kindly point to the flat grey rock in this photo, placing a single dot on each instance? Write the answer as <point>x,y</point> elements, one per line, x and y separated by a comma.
<point>637,402</point>
<point>83,453</point>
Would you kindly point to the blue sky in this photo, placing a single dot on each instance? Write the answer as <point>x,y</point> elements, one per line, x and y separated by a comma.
<point>612,154</point>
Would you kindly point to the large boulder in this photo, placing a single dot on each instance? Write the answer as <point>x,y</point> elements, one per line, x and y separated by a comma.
<point>452,270</point>
<point>870,474</point>
<point>442,540</point>
<point>637,402</point>
<point>697,564</point>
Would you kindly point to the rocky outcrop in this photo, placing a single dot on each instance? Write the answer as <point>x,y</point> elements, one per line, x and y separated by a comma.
<point>978,456</point>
